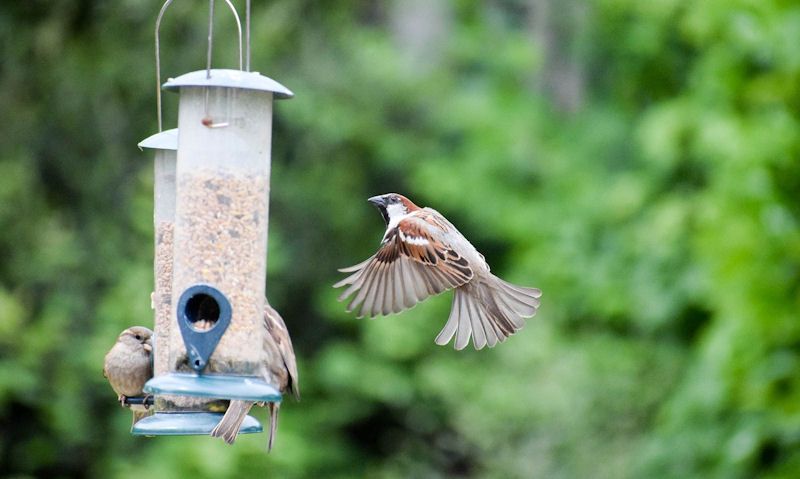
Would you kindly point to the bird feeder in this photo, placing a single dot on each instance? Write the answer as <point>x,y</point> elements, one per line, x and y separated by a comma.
<point>211,216</point>
<point>219,265</point>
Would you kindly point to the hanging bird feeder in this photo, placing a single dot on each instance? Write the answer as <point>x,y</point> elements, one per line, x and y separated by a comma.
<point>211,215</point>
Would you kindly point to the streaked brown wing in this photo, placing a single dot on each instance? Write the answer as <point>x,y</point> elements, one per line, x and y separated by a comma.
<point>280,335</point>
<point>410,266</point>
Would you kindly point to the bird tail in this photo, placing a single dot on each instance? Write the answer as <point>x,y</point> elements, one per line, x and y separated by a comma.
<point>489,311</point>
<point>139,414</point>
<point>273,423</point>
<point>230,423</point>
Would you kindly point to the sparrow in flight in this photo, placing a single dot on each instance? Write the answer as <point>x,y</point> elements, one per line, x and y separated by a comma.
<point>280,370</point>
<point>128,366</point>
<point>423,254</point>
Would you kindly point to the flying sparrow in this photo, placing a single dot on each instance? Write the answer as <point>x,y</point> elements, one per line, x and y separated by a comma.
<point>280,370</point>
<point>423,254</point>
<point>128,366</point>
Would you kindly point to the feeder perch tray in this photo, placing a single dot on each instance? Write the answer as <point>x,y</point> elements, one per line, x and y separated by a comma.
<point>187,424</point>
<point>245,388</point>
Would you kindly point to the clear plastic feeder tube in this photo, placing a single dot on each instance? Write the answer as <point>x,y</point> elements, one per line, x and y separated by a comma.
<point>164,146</point>
<point>165,239</point>
<point>221,215</point>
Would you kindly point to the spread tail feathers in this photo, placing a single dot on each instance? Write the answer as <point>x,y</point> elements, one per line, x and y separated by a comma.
<point>489,312</point>
<point>139,414</point>
<point>230,423</point>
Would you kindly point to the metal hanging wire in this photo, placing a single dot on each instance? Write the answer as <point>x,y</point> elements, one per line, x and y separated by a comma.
<point>247,34</point>
<point>211,37</point>
<point>160,16</point>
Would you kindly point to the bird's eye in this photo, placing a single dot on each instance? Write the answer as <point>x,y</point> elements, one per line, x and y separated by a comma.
<point>138,337</point>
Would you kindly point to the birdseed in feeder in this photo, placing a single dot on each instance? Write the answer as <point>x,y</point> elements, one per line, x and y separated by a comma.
<point>221,238</point>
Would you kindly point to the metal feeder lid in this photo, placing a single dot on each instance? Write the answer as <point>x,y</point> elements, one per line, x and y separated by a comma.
<point>166,140</point>
<point>187,424</point>
<point>245,388</point>
<point>231,79</point>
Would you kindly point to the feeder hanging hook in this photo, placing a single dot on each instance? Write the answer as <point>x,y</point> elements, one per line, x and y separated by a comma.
<point>161,12</point>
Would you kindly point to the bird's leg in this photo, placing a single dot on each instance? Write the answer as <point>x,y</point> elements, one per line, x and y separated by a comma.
<point>123,400</point>
<point>145,399</point>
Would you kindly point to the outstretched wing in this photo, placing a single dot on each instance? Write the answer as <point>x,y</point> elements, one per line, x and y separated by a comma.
<point>411,265</point>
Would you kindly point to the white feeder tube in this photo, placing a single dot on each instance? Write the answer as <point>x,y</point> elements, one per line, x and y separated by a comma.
<point>223,174</point>
<point>164,225</point>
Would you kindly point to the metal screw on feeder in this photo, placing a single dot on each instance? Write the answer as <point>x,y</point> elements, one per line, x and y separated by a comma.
<point>211,344</point>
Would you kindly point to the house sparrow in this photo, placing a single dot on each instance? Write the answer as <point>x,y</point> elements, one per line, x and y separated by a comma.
<point>423,254</point>
<point>280,370</point>
<point>128,366</point>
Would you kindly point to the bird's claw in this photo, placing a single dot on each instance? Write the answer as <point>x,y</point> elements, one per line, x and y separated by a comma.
<point>144,401</point>
<point>123,400</point>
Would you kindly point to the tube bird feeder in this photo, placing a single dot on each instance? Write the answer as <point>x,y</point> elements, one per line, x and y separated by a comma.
<point>211,217</point>
<point>223,174</point>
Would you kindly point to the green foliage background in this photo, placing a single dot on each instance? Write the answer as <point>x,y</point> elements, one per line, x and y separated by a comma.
<point>657,208</point>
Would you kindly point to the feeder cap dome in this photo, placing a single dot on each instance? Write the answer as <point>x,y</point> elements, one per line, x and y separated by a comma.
<point>165,140</point>
<point>231,79</point>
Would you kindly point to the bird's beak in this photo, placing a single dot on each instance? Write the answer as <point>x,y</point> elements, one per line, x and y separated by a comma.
<point>378,201</point>
<point>148,347</point>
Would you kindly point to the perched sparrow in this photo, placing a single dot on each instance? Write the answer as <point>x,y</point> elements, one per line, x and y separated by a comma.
<point>128,366</point>
<point>423,254</point>
<point>279,370</point>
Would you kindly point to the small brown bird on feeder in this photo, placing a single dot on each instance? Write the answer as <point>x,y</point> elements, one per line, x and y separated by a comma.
<point>280,370</point>
<point>423,254</point>
<point>128,366</point>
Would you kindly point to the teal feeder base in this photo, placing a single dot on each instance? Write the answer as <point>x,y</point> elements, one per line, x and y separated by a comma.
<point>187,424</point>
<point>215,386</point>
